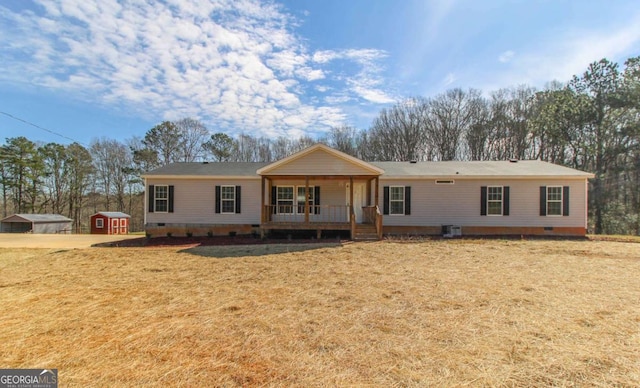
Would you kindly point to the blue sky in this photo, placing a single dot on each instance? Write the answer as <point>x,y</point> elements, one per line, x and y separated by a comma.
<point>86,69</point>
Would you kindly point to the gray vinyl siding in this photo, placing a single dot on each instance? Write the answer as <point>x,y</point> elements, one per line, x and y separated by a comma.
<point>459,204</point>
<point>194,202</point>
<point>320,163</point>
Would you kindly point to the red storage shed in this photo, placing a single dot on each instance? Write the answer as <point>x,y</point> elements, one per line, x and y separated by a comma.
<point>110,223</point>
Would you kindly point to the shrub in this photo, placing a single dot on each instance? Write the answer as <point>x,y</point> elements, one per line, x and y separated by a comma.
<point>209,234</point>
<point>189,234</point>
<point>169,234</point>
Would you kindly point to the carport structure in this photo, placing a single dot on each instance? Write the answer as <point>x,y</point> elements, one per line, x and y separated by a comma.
<point>36,223</point>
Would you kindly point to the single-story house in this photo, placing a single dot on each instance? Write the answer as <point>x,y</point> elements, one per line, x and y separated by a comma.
<point>110,223</point>
<point>320,188</point>
<point>36,223</point>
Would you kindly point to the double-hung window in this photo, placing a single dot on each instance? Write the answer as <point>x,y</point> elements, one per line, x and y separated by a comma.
<point>161,198</point>
<point>310,199</point>
<point>228,199</point>
<point>494,200</point>
<point>396,200</point>
<point>285,199</point>
<point>554,200</point>
<point>99,223</point>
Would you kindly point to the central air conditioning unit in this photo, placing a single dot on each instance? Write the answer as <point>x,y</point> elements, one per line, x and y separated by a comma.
<point>450,231</point>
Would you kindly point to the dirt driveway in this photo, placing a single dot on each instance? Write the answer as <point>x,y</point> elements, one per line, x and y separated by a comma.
<point>64,241</point>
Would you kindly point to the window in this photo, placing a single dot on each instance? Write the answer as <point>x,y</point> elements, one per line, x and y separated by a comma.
<point>285,199</point>
<point>228,199</point>
<point>123,222</point>
<point>161,201</point>
<point>554,200</point>
<point>291,199</point>
<point>99,223</point>
<point>160,198</point>
<point>396,200</point>
<point>494,200</point>
<point>310,199</point>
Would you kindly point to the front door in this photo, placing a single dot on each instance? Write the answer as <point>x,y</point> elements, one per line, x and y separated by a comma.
<point>114,226</point>
<point>359,197</point>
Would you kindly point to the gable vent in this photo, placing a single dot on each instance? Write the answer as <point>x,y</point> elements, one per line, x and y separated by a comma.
<point>413,161</point>
<point>513,160</point>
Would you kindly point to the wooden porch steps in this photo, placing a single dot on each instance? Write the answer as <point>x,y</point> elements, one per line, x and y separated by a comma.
<point>365,232</point>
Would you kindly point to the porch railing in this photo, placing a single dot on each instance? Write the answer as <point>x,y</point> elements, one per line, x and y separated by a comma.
<point>372,215</point>
<point>378,222</point>
<point>317,214</point>
<point>369,214</point>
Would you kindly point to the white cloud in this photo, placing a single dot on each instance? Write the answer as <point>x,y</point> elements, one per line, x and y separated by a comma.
<point>367,83</point>
<point>506,56</point>
<point>449,79</point>
<point>235,64</point>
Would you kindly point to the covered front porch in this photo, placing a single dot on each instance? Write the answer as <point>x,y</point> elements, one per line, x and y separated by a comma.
<point>321,189</point>
<point>321,203</point>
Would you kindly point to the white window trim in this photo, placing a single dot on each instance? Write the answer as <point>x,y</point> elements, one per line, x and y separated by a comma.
<point>293,200</point>
<point>494,201</point>
<point>222,200</point>
<point>155,199</point>
<point>397,200</point>
<point>99,223</point>
<point>554,200</point>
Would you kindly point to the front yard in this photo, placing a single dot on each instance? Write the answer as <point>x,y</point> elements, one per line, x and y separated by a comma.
<point>462,312</point>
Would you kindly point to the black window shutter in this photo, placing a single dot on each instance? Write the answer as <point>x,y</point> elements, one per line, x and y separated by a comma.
<point>217,199</point>
<point>505,201</point>
<point>316,199</point>
<point>151,198</point>
<point>238,199</point>
<point>274,199</point>
<point>483,200</point>
<point>407,200</point>
<point>543,200</point>
<point>170,199</point>
<point>385,200</point>
<point>565,200</point>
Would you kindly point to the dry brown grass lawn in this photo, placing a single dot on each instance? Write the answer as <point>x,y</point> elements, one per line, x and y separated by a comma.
<point>465,312</point>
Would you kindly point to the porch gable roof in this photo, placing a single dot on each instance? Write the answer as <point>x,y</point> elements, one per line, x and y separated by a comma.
<point>318,160</point>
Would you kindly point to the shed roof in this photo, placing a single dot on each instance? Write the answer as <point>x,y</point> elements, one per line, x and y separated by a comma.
<point>114,214</point>
<point>37,218</point>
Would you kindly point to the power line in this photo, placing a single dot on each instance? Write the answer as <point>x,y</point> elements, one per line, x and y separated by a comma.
<point>39,127</point>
